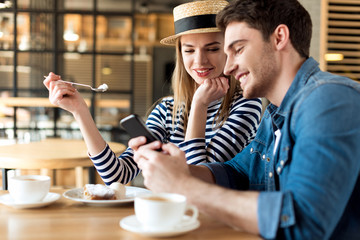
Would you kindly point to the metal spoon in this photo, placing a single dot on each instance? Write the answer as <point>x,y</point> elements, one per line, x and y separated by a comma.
<point>102,88</point>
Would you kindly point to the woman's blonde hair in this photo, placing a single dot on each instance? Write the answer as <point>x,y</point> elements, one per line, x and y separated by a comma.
<point>184,88</point>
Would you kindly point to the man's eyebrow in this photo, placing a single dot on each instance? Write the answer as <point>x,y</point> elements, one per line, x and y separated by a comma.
<point>231,45</point>
<point>206,45</point>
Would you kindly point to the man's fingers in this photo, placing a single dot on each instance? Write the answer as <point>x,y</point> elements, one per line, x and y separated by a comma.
<point>135,143</point>
<point>172,150</point>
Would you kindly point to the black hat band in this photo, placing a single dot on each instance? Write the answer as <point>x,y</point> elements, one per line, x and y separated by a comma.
<point>195,22</point>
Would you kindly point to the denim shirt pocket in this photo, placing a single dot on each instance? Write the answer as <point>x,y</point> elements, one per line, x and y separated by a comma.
<point>258,164</point>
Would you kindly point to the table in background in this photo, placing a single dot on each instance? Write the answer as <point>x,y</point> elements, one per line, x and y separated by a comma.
<point>67,219</point>
<point>45,102</point>
<point>50,153</point>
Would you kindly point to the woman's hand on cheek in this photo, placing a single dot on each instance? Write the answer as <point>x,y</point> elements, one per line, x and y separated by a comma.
<point>211,90</point>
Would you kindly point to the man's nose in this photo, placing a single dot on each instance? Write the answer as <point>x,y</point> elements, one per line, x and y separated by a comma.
<point>229,66</point>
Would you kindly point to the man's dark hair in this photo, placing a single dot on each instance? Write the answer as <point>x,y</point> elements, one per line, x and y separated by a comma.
<point>266,15</point>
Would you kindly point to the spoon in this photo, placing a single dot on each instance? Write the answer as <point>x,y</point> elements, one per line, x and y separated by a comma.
<point>102,88</point>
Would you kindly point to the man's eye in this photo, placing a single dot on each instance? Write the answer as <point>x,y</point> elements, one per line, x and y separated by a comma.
<point>188,50</point>
<point>213,49</point>
<point>239,50</point>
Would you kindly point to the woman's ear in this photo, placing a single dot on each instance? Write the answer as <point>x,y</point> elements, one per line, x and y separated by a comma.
<point>281,36</point>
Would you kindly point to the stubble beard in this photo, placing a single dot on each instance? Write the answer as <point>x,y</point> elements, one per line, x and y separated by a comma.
<point>263,75</point>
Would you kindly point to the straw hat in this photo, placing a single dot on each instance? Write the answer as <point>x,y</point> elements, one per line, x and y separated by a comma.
<point>195,17</point>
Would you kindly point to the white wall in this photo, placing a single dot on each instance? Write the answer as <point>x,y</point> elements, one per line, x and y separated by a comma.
<point>314,8</point>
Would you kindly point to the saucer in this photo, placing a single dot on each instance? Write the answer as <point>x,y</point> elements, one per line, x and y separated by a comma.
<point>7,200</point>
<point>131,224</point>
<point>77,194</point>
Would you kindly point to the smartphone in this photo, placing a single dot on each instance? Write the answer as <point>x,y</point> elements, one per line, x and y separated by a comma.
<point>136,127</point>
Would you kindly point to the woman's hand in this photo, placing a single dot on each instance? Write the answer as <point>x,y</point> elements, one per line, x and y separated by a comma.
<point>211,90</point>
<point>63,95</point>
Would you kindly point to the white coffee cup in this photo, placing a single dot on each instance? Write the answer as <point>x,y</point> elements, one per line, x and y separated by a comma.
<point>29,188</point>
<point>163,211</point>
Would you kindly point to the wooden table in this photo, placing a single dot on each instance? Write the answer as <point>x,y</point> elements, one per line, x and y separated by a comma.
<point>54,153</point>
<point>45,102</point>
<point>66,219</point>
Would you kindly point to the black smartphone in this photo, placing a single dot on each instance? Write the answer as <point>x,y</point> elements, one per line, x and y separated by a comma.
<point>136,127</point>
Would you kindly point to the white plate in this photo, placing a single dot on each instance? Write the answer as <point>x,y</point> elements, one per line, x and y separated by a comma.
<point>7,200</point>
<point>131,224</point>
<point>76,194</point>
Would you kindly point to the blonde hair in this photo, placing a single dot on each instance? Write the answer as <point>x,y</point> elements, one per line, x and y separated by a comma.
<point>184,88</point>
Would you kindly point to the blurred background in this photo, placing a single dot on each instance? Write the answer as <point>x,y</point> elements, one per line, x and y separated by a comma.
<point>117,42</point>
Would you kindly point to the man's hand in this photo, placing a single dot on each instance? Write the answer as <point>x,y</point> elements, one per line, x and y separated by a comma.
<point>162,171</point>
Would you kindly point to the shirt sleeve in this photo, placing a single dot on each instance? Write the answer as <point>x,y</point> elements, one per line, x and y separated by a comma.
<point>236,133</point>
<point>112,169</point>
<point>275,209</point>
<point>226,175</point>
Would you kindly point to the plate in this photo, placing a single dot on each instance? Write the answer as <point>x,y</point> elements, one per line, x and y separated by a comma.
<point>7,200</point>
<point>131,224</point>
<point>76,194</point>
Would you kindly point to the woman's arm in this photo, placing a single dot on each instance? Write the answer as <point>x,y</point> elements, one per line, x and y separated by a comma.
<point>68,98</point>
<point>236,133</point>
<point>123,169</point>
<point>209,91</point>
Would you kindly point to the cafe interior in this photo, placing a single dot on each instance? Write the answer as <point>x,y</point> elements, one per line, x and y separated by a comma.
<point>117,43</point>
<point>87,42</point>
<point>113,42</point>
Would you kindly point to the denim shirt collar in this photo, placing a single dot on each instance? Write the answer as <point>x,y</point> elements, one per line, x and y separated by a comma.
<point>309,67</point>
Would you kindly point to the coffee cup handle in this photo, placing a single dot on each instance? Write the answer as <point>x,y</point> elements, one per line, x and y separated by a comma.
<point>195,213</point>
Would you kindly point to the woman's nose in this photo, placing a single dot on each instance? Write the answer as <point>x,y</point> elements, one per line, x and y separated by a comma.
<point>201,58</point>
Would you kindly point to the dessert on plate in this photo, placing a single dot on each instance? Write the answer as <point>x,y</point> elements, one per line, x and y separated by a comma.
<point>115,191</point>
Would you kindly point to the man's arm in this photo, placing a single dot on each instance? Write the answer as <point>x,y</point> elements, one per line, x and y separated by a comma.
<point>235,208</point>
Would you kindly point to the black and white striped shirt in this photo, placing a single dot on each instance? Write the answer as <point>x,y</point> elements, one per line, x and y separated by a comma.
<point>219,144</point>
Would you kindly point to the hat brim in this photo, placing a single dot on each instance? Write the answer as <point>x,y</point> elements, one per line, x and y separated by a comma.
<point>171,40</point>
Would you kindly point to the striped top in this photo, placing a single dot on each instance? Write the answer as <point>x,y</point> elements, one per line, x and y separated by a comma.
<point>219,144</point>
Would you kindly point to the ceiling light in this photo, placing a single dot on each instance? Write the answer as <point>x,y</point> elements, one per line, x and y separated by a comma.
<point>69,34</point>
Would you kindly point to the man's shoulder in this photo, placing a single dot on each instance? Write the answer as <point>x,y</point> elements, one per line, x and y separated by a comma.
<point>328,86</point>
<point>321,79</point>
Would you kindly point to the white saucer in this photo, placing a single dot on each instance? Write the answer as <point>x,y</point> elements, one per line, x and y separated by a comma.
<point>77,194</point>
<point>131,224</point>
<point>7,200</point>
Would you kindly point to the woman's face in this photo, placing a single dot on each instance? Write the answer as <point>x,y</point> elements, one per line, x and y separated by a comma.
<point>203,55</point>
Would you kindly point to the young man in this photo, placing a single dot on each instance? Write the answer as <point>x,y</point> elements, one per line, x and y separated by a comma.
<point>299,178</point>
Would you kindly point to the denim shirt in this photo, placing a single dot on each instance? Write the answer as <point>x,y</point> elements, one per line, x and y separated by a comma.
<point>310,186</point>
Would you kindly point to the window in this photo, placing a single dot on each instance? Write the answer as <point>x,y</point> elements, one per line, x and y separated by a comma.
<point>90,42</point>
<point>341,49</point>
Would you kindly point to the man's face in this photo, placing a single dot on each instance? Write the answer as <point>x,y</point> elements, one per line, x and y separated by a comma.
<point>250,59</point>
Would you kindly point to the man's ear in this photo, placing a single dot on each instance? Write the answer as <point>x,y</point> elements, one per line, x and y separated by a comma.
<point>281,36</point>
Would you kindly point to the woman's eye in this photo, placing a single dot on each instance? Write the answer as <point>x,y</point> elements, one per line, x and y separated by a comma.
<point>188,50</point>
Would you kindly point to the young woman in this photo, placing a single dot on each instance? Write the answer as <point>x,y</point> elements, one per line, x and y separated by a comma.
<point>207,117</point>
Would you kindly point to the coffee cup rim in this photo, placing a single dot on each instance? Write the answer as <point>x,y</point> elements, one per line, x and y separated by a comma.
<point>173,196</point>
<point>38,178</point>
